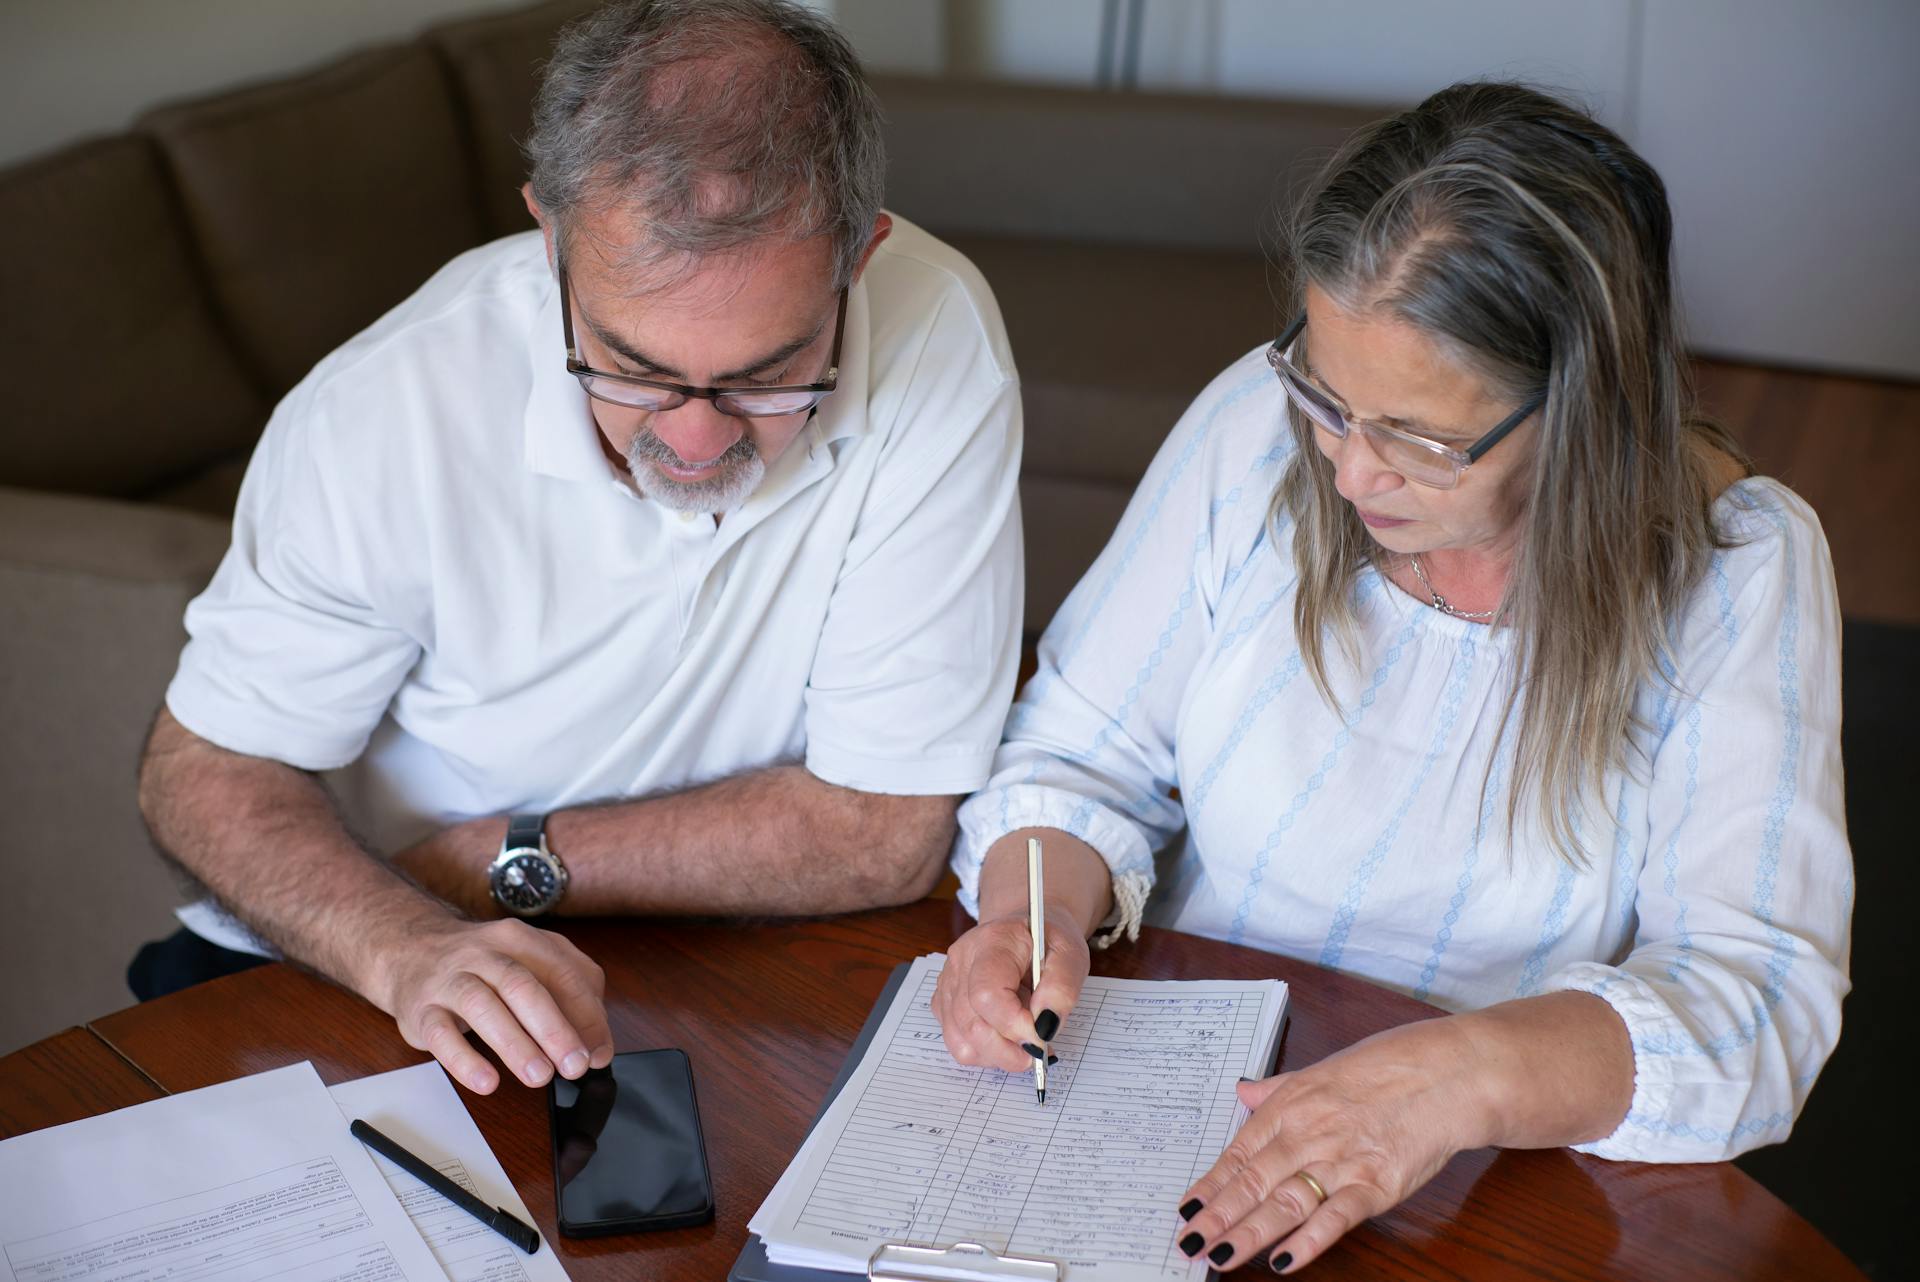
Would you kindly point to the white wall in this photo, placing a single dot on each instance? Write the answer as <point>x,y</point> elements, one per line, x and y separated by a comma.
<point>1788,131</point>
<point>72,68</point>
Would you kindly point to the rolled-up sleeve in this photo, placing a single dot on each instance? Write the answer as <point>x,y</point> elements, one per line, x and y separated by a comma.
<point>1089,747</point>
<point>289,657</point>
<point>1733,986</point>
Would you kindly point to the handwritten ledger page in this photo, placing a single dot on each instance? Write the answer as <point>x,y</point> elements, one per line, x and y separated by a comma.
<point>921,1150</point>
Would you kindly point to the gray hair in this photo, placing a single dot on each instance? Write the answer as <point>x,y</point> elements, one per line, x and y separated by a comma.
<point>1533,244</point>
<point>713,124</point>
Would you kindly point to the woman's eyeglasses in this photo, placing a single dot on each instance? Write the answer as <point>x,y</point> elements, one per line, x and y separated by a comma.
<point>1414,457</point>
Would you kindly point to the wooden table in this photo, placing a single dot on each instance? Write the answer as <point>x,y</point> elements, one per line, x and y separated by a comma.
<point>767,1012</point>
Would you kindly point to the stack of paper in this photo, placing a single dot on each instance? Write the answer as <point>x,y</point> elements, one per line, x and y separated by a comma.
<point>258,1178</point>
<point>918,1149</point>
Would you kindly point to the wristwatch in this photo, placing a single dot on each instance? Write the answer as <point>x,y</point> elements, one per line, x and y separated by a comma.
<point>526,878</point>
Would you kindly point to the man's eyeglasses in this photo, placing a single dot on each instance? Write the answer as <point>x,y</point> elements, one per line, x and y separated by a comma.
<point>630,391</point>
<point>1414,457</point>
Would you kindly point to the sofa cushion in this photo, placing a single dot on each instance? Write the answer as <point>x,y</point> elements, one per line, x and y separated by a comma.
<point>1114,342</point>
<point>1065,524</point>
<point>212,491</point>
<point>496,63</point>
<point>117,377</point>
<point>1201,172</point>
<point>321,201</point>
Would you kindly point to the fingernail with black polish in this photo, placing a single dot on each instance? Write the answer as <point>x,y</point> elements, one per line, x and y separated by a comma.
<point>1032,1050</point>
<point>1191,1243</point>
<point>1280,1260</point>
<point>1046,1023</point>
<point>1222,1253</point>
<point>1191,1209</point>
<point>1246,1081</point>
<point>1052,1060</point>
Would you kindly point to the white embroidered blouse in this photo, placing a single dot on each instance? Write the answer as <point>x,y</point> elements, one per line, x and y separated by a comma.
<point>1171,726</point>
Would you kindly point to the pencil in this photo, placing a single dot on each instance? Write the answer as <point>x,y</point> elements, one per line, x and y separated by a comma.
<point>1037,926</point>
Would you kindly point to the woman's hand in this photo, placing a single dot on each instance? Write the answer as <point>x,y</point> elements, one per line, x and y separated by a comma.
<point>979,1002</point>
<point>1369,1125</point>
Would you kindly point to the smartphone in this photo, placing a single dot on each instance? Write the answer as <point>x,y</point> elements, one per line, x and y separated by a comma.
<point>627,1150</point>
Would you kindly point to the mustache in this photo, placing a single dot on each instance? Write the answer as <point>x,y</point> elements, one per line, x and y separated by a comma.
<point>647,447</point>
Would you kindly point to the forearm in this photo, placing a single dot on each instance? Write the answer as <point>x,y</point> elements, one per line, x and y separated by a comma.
<point>1545,1071</point>
<point>1078,879</point>
<point>775,841</point>
<point>265,840</point>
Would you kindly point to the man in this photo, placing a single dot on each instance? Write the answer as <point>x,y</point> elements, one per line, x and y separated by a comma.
<point>686,525</point>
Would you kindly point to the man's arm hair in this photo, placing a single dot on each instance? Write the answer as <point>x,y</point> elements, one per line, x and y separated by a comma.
<point>265,841</point>
<point>778,841</point>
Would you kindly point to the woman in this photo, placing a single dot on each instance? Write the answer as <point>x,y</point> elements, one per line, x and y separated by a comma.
<point>1471,661</point>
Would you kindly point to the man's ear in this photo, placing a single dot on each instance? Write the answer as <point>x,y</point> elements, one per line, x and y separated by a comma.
<point>546,228</point>
<point>882,228</point>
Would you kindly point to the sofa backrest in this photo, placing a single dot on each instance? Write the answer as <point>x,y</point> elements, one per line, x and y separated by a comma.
<point>319,202</point>
<point>167,285</point>
<point>496,61</point>
<point>1176,170</point>
<point>118,375</point>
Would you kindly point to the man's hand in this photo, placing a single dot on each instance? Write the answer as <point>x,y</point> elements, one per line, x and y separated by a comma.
<point>453,862</point>
<point>532,996</point>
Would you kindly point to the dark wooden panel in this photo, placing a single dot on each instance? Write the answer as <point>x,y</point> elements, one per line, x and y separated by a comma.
<point>766,1012</point>
<point>1851,448</point>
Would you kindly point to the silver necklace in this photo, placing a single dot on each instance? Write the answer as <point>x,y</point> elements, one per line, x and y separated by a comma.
<point>1440,603</point>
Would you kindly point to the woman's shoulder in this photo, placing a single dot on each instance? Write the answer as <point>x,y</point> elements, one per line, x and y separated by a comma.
<point>1765,521</point>
<point>1773,562</point>
<point>1235,427</point>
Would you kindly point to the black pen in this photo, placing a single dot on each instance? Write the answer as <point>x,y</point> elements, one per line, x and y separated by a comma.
<point>524,1236</point>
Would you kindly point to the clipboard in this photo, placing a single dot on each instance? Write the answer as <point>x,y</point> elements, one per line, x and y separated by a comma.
<point>896,1262</point>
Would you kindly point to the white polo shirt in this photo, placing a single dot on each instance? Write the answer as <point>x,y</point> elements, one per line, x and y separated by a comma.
<point>438,581</point>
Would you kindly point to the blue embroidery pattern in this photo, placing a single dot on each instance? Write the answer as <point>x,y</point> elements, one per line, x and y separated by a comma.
<point>1444,937</point>
<point>1265,695</point>
<point>1349,908</point>
<point>1535,970</point>
<point>1237,931</point>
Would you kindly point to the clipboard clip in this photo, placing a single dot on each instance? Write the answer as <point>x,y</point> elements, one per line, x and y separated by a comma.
<point>961,1262</point>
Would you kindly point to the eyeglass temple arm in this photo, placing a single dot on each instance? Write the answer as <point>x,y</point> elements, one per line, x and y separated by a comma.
<point>1500,432</point>
<point>1291,332</point>
<point>566,312</point>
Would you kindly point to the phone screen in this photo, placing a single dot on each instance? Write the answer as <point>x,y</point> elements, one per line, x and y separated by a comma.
<point>627,1149</point>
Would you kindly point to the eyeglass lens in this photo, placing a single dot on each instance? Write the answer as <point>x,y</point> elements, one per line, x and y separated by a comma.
<point>1414,462</point>
<point>745,403</point>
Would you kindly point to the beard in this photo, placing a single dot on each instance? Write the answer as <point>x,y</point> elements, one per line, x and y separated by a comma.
<point>740,472</point>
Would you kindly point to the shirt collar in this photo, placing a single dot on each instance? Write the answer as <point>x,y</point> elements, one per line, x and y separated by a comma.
<point>561,439</point>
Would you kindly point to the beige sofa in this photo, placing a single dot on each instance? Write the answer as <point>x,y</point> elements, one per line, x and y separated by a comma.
<point>164,287</point>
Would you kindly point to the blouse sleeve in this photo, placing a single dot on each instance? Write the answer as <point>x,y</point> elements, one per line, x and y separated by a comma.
<point>1732,989</point>
<point>1089,746</point>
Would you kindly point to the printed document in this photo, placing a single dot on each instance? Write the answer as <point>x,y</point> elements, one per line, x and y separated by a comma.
<point>418,1108</point>
<point>920,1150</point>
<point>253,1178</point>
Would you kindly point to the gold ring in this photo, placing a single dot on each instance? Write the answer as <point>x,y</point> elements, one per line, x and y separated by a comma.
<point>1313,1184</point>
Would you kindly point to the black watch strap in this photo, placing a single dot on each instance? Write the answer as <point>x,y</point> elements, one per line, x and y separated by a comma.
<point>525,830</point>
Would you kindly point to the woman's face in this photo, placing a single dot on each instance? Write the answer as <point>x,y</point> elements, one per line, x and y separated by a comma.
<point>1384,369</point>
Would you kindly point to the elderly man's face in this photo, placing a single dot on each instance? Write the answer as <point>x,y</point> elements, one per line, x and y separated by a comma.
<point>764,317</point>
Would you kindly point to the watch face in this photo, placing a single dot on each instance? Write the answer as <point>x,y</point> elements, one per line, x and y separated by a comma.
<point>526,884</point>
